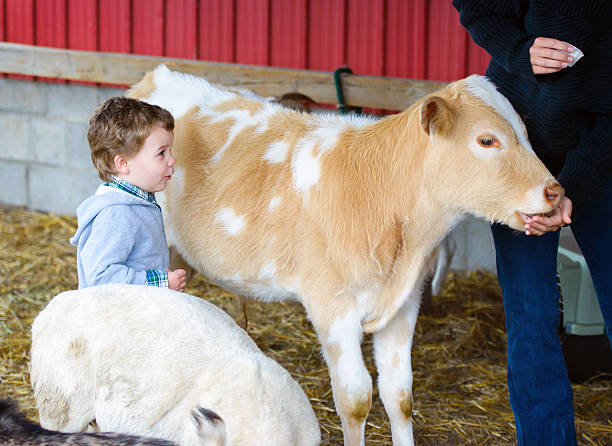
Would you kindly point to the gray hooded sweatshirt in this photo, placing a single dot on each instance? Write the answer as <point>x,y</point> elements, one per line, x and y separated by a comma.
<point>119,237</point>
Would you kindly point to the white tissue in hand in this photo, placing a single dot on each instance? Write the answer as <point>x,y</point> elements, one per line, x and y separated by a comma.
<point>576,54</point>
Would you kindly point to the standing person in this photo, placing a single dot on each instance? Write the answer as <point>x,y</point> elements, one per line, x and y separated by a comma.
<point>120,238</point>
<point>566,105</point>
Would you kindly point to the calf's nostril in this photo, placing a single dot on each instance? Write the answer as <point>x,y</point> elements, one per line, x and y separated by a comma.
<point>553,193</point>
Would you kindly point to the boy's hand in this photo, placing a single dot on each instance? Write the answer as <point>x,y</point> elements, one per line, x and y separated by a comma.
<point>176,279</point>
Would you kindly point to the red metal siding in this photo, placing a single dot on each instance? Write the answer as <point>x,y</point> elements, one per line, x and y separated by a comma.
<point>477,58</point>
<point>181,26</point>
<point>288,26</point>
<point>420,39</point>
<point>148,27</point>
<point>114,26</point>
<point>216,31</point>
<point>365,36</point>
<point>2,37</point>
<point>446,43</point>
<point>405,37</point>
<point>326,34</point>
<point>82,25</point>
<point>50,23</point>
<point>252,31</point>
<point>20,21</point>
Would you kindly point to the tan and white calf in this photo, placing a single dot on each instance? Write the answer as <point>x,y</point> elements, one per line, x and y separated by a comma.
<point>342,212</point>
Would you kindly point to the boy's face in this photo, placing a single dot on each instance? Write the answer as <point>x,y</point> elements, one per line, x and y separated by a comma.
<point>151,168</point>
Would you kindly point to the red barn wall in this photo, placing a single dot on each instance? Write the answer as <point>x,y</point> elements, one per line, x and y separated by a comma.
<point>419,39</point>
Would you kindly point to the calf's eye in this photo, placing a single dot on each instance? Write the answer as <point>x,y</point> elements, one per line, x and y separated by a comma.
<point>488,141</point>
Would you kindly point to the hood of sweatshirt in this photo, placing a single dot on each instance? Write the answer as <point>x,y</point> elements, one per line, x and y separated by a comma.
<point>104,197</point>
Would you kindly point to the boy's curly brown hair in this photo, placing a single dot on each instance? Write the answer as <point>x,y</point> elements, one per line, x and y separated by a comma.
<point>120,126</point>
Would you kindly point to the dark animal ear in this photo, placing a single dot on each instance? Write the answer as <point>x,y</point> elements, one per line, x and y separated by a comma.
<point>435,116</point>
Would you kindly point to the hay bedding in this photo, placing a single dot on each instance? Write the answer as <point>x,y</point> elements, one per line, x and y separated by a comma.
<point>458,355</point>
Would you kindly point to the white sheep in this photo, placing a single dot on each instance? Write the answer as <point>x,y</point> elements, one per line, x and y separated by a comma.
<point>140,359</point>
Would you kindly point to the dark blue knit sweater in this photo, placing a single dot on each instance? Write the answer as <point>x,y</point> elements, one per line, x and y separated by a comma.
<point>568,114</point>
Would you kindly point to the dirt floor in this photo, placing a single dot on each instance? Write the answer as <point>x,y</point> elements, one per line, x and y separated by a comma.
<point>458,357</point>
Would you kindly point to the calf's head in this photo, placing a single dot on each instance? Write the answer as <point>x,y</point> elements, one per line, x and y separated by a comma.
<point>479,153</point>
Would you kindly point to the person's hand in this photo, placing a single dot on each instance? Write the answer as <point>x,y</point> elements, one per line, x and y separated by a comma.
<point>176,279</point>
<point>538,225</point>
<point>546,55</point>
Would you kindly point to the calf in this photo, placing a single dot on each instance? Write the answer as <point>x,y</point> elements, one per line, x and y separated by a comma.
<point>143,361</point>
<point>342,212</point>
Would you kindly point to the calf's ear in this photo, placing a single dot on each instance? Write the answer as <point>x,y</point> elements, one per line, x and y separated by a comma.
<point>435,116</point>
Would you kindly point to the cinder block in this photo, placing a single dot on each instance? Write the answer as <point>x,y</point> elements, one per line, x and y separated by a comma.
<point>24,96</point>
<point>14,137</point>
<point>48,141</point>
<point>60,190</point>
<point>108,92</point>
<point>481,246</point>
<point>14,186</point>
<point>475,248</point>
<point>71,102</point>
<point>78,151</point>
<point>460,256</point>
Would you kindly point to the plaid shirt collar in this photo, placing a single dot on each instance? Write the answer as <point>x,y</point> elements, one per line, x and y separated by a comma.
<point>131,189</point>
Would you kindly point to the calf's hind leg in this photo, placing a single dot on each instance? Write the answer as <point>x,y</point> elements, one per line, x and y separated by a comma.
<point>392,346</point>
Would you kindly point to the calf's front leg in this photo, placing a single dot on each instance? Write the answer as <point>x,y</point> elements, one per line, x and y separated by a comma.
<point>340,335</point>
<point>392,346</point>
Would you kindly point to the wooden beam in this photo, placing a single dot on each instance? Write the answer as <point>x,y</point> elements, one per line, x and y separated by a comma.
<point>115,68</point>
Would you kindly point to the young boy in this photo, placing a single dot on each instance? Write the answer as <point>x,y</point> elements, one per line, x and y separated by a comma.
<point>120,238</point>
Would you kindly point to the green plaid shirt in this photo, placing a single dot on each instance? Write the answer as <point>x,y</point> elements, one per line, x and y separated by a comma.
<point>131,189</point>
<point>155,277</point>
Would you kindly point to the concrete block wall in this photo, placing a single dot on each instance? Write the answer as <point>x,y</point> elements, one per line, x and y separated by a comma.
<point>46,166</point>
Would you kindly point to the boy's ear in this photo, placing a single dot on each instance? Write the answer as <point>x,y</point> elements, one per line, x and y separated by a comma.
<point>121,164</point>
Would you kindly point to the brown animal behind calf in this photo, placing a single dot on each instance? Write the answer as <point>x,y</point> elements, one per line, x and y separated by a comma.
<point>342,213</point>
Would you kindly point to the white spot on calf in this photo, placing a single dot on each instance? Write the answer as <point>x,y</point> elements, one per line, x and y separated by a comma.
<point>274,203</point>
<point>231,223</point>
<point>243,119</point>
<point>277,152</point>
<point>305,166</point>
<point>486,91</point>
<point>327,136</point>
<point>267,271</point>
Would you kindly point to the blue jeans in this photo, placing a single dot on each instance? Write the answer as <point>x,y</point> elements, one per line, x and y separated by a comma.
<point>539,388</point>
